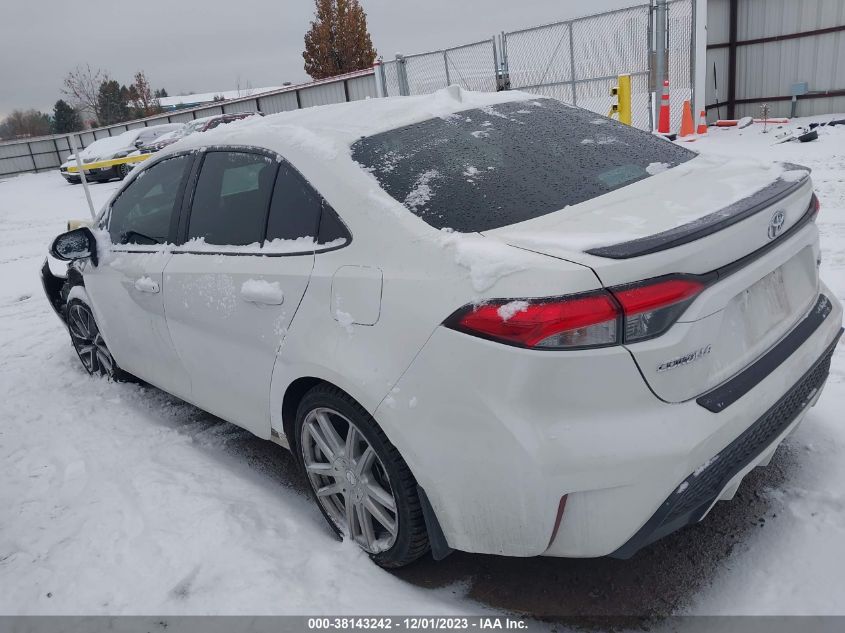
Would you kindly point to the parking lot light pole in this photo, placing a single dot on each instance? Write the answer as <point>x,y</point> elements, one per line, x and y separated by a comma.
<point>84,180</point>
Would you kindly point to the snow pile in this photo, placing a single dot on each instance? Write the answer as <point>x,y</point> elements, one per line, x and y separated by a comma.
<point>657,168</point>
<point>487,260</point>
<point>345,319</point>
<point>421,193</point>
<point>509,310</point>
<point>262,291</point>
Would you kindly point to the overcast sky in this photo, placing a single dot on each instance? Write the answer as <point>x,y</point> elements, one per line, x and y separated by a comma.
<point>191,46</point>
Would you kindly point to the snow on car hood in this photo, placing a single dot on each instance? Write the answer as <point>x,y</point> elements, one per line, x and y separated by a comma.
<point>108,146</point>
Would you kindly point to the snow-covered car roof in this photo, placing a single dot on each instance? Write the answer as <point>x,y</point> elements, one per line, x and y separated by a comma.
<point>110,145</point>
<point>325,130</point>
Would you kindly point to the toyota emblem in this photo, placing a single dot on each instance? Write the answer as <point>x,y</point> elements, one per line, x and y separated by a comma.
<point>776,223</point>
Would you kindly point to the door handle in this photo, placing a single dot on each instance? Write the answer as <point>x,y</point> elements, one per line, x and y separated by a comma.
<point>262,292</point>
<point>145,284</point>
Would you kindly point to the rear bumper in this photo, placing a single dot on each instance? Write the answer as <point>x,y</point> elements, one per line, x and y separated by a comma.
<point>496,436</point>
<point>700,490</point>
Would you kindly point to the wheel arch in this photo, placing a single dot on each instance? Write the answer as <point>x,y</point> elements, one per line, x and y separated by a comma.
<point>294,394</point>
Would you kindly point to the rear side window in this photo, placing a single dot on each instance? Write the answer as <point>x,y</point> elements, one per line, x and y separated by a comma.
<point>486,168</point>
<point>295,211</point>
<point>298,211</point>
<point>231,198</point>
<point>143,212</point>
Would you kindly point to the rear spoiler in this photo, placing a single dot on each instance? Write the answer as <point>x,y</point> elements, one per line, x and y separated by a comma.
<point>707,225</point>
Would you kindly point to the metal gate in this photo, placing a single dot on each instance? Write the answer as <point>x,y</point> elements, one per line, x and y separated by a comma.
<point>471,66</point>
<point>578,61</point>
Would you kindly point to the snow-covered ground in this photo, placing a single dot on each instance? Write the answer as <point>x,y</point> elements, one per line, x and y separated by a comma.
<point>119,499</point>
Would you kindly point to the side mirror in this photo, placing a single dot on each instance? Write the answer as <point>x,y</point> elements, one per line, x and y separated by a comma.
<point>77,244</point>
<point>139,143</point>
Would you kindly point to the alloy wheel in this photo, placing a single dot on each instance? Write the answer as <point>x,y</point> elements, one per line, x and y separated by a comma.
<point>349,480</point>
<point>88,342</point>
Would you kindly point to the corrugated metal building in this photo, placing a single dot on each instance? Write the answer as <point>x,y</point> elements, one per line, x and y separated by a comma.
<point>758,50</point>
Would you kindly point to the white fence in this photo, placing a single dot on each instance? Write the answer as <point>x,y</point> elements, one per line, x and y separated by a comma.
<point>48,152</point>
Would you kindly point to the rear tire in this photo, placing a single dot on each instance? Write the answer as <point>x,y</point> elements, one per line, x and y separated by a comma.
<point>89,344</point>
<point>363,487</point>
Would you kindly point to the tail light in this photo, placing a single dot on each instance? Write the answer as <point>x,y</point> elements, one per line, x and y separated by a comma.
<point>623,314</point>
<point>577,321</point>
<point>651,308</point>
<point>815,206</point>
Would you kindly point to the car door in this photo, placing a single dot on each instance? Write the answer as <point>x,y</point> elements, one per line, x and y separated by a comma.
<point>126,287</point>
<point>230,295</point>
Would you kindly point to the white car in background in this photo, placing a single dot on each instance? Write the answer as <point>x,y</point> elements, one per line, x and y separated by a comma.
<point>485,322</point>
<point>114,147</point>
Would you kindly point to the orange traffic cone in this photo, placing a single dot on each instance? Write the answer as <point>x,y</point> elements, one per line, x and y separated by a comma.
<point>663,122</point>
<point>702,123</point>
<point>687,127</point>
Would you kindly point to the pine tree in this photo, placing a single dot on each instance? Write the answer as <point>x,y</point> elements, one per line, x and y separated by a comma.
<point>161,93</point>
<point>65,118</point>
<point>111,103</point>
<point>338,41</point>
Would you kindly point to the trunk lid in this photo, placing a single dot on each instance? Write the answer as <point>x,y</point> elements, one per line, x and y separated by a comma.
<point>742,222</point>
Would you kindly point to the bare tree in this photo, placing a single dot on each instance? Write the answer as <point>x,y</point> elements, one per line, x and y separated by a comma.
<point>24,124</point>
<point>82,87</point>
<point>144,101</point>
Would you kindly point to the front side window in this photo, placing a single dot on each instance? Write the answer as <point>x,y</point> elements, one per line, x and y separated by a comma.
<point>231,199</point>
<point>485,168</point>
<point>143,212</point>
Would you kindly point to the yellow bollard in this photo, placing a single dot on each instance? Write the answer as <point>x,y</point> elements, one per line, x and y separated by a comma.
<point>624,99</point>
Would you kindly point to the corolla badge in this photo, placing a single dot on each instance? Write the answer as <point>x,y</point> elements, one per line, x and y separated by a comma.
<point>776,223</point>
<point>686,359</point>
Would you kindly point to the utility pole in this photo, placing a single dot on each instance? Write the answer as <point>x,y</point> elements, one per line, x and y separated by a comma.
<point>660,11</point>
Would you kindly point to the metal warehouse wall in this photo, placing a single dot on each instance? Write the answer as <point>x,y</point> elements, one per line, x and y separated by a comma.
<point>777,43</point>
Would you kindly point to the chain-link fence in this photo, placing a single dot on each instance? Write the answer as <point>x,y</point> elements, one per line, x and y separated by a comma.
<point>680,43</point>
<point>471,66</point>
<point>578,61</point>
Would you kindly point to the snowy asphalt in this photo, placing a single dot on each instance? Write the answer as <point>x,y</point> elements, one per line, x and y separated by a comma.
<point>120,499</point>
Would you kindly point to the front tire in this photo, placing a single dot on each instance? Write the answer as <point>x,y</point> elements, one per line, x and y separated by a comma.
<point>363,487</point>
<point>89,343</point>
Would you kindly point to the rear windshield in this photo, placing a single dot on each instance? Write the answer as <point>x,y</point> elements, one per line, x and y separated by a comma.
<point>486,168</point>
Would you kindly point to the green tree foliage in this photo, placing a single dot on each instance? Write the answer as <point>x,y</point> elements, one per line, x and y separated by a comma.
<point>65,118</point>
<point>338,41</point>
<point>112,103</point>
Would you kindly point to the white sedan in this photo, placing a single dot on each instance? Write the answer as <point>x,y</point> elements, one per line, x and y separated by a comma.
<point>485,322</point>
